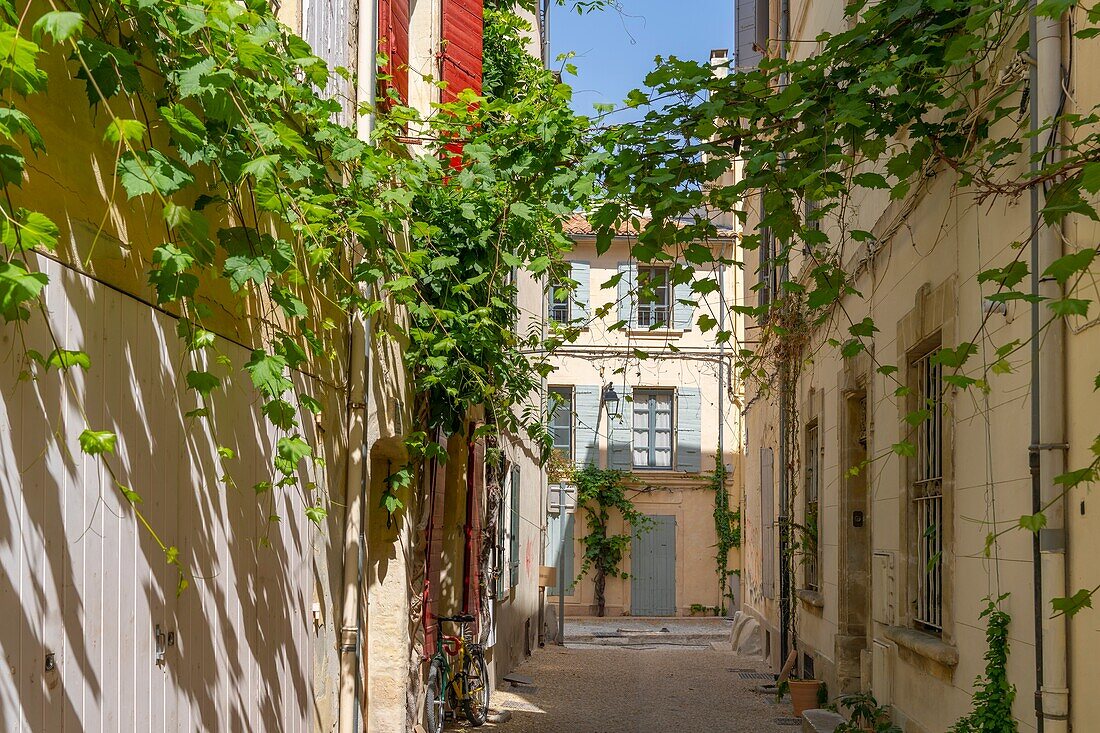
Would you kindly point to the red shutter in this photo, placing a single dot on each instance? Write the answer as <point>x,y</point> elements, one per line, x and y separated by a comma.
<point>463,36</point>
<point>475,489</point>
<point>433,561</point>
<point>393,41</point>
<point>463,32</point>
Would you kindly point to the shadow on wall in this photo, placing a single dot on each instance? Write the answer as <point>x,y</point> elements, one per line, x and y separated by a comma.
<point>85,591</point>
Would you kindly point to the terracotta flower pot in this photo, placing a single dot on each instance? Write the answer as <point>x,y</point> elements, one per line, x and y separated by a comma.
<point>804,695</point>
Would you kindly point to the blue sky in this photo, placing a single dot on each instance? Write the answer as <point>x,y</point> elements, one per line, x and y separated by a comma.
<point>615,50</point>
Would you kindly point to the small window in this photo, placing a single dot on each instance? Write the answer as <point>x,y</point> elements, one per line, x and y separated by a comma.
<point>927,495</point>
<point>653,428</point>
<point>559,303</point>
<point>653,297</point>
<point>559,412</point>
<point>811,530</point>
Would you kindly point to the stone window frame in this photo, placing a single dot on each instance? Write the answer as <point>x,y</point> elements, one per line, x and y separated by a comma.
<point>812,410</point>
<point>930,324</point>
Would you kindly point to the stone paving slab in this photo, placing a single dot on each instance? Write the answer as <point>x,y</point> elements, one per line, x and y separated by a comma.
<point>639,690</point>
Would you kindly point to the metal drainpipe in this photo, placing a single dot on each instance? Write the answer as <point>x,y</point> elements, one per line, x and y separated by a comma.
<point>785,579</point>
<point>1047,450</point>
<point>352,639</point>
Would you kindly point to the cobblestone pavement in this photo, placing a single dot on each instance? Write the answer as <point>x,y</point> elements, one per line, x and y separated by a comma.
<point>599,689</point>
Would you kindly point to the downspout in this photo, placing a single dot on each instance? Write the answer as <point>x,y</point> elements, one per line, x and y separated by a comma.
<point>352,640</point>
<point>784,397</point>
<point>1048,436</point>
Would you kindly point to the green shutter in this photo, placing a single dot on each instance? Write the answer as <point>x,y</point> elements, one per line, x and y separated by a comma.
<point>626,292</point>
<point>582,296</point>
<point>688,437</point>
<point>586,406</point>
<point>621,433</point>
<point>683,307</point>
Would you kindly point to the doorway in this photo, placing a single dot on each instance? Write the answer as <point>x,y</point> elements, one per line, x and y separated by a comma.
<point>653,568</point>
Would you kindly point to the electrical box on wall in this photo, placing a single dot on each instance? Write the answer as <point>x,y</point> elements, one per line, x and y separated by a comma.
<point>883,588</point>
<point>561,497</point>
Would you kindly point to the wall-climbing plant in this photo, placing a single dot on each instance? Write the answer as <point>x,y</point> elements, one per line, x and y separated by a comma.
<point>902,92</point>
<point>993,693</point>
<point>275,211</point>
<point>603,496</point>
<point>727,528</point>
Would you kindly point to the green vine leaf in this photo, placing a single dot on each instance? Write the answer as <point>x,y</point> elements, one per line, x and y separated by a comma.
<point>203,382</point>
<point>17,288</point>
<point>95,442</point>
<point>266,371</point>
<point>143,173</point>
<point>60,25</point>
<point>28,230</point>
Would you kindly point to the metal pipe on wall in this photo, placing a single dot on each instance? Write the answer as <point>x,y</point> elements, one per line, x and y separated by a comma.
<point>1048,397</point>
<point>352,687</point>
<point>785,580</point>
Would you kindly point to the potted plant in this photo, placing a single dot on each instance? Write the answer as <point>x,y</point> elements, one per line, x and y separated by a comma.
<point>867,716</point>
<point>804,694</point>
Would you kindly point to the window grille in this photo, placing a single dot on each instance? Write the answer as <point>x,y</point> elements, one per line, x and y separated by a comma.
<point>928,494</point>
<point>653,301</point>
<point>559,410</point>
<point>653,429</point>
<point>559,303</point>
<point>813,491</point>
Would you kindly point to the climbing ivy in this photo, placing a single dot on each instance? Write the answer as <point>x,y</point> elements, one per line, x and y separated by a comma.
<point>903,92</point>
<point>274,209</point>
<point>602,494</point>
<point>727,528</point>
<point>993,694</point>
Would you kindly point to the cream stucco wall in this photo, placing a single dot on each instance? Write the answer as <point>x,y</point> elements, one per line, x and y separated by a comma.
<point>920,279</point>
<point>601,355</point>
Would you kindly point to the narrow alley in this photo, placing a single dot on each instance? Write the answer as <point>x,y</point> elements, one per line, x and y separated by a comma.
<point>626,674</point>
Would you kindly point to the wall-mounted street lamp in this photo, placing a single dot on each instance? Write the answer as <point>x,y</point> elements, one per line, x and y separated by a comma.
<point>610,399</point>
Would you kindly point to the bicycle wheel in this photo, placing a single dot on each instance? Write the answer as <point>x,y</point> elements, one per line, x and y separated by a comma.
<point>476,675</point>
<point>434,700</point>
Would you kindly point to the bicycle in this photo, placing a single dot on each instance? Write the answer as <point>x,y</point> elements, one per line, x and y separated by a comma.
<point>466,684</point>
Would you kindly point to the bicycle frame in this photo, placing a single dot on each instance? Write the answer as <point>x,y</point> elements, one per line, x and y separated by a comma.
<point>449,647</point>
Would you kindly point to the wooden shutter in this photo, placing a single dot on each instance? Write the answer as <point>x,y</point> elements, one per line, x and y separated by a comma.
<point>753,26</point>
<point>513,529</point>
<point>688,435</point>
<point>393,42</point>
<point>683,308</point>
<point>463,33</point>
<point>433,561</point>
<point>620,440</point>
<point>586,411</point>
<point>767,524</point>
<point>628,282</point>
<point>582,296</point>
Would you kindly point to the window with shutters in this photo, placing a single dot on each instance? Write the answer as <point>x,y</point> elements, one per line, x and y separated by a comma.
<point>811,529</point>
<point>560,410</point>
<point>559,301</point>
<point>653,428</point>
<point>654,301</point>
<point>927,492</point>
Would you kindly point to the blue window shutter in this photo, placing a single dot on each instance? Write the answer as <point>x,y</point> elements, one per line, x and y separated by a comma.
<point>626,292</point>
<point>684,314</point>
<point>688,435</point>
<point>555,549</point>
<point>751,21</point>
<point>582,296</point>
<point>619,446</point>
<point>586,411</point>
